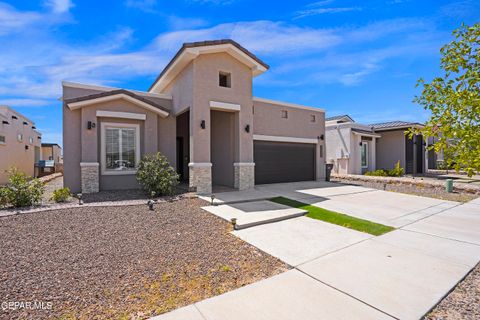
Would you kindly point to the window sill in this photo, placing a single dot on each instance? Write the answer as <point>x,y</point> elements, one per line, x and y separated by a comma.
<point>118,172</point>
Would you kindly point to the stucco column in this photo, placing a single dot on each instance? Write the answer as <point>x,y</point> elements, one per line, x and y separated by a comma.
<point>200,166</point>
<point>89,165</point>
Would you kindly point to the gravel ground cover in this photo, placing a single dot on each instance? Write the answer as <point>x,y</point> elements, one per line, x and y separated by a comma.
<point>462,303</point>
<point>122,262</point>
<point>424,191</point>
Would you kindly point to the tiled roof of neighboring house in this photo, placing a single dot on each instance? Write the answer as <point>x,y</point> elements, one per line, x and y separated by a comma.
<point>394,124</point>
<point>362,131</point>
<point>339,117</point>
<point>203,44</point>
<point>118,91</point>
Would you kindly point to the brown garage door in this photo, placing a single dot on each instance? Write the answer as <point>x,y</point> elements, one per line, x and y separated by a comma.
<point>283,162</point>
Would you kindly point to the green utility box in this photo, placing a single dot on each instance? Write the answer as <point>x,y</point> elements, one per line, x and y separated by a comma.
<point>449,185</point>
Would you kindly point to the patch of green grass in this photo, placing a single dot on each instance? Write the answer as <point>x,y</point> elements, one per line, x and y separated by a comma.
<point>340,219</point>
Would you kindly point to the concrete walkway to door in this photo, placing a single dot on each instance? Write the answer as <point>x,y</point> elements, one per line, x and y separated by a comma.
<point>339,273</point>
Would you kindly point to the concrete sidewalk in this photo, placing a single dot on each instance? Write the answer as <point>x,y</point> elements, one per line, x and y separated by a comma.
<point>342,274</point>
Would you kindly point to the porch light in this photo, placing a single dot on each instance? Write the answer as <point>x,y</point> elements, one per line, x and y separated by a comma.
<point>26,147</point>
<point>202,124</point>
<point>247,128</point>
<point>360,143</point>
<point>321,137</point>
<point>90,125</point>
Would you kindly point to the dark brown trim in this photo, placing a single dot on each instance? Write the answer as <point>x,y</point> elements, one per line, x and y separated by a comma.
<point>204,44</point>
<point>115,92</point>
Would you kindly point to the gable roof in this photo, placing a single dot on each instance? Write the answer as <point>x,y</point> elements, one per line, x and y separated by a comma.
<point>191,50</point>
<point>390,125</point>
<point>346,116</point>
<point>79,102</point>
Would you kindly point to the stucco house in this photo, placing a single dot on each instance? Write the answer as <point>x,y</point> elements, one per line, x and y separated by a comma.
<point>19,143</point>
<point>356,148</point>
<point>200,113</point>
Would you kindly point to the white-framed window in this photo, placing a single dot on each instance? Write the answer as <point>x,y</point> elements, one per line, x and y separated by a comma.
<point>19,137</point>
<point>30,140</point>
<point>3,140</point>
<point>120,148</point>
<point>364,154</point>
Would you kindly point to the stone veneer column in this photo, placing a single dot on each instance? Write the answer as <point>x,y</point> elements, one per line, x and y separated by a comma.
<point>244,175</point>
<point>200,177</point>
<point>89,176</point>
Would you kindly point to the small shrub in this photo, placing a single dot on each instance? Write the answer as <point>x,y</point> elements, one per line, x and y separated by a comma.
<point>156,175</point>
<point>21,190</point>
<point>397,171</point>
<point>61,195</point>
<point>378,173</point>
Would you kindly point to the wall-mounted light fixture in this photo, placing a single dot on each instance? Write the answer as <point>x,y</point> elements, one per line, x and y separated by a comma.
<point>247,128</point>
<point>5,122</point>
<point>202,124</point>
<point>321,137</point>
<point>360,143</point>
<point>90,125</point>
<point>26,147</point>
<point>25,123</point>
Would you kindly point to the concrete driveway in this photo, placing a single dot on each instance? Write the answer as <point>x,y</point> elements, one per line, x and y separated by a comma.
<point>340,273</point>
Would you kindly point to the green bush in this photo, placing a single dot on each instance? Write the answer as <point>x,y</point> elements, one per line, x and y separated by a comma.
<point>156,175</point>
<point>397,171</point>
<point>61,195</point>
<point>21,190</point>
<point>378,173</point>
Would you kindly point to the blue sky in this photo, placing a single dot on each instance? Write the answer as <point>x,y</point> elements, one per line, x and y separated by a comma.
<point>357,57</point>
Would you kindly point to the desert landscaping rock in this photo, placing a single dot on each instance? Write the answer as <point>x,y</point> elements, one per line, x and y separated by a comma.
<point>462,303</point>
<point>126,261</point>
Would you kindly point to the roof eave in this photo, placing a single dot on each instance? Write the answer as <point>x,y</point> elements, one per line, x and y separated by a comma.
<point>187,54</point>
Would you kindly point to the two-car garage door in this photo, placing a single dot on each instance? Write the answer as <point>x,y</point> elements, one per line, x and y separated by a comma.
<point>277,162</point>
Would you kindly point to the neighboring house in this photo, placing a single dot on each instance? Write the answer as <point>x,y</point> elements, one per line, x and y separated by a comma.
<point>395,146</point>
<point>52,151</point>
<point>351,146</point>
<point>355,148</point>
<point>19,143</point>
<point>200,113</point>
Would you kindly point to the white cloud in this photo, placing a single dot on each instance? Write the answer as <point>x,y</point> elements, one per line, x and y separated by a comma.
<point>313,12</point>
<point>12,20</point>
<point>24,102</point>
<point>261,37</point>
<point>59,6</point>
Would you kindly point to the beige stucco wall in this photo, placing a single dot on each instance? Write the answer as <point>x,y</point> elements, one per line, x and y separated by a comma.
<point>13,152</point>
<point>339,149</point>
<point>83,145</point>
<point>267,120</point>
<point>390,149</point>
